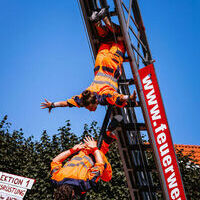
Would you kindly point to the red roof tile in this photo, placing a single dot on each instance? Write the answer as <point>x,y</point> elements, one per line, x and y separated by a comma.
<point>187,150</point>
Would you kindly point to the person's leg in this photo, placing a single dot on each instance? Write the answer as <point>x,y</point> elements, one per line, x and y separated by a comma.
<point>110,136</point>
<point>111,26</point>
<point>96,19</point>
<point>101,30</point>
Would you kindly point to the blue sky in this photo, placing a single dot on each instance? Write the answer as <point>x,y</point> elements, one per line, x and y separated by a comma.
<point>44,53</point>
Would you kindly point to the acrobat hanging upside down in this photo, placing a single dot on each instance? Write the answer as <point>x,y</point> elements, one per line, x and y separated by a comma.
<point>107,70</point>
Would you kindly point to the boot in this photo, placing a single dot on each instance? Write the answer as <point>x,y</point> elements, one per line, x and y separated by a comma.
<point>110,133</point>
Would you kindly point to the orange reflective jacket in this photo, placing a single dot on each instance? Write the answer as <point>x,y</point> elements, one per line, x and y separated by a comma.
<point>107,70</point>
<point>81,171</point>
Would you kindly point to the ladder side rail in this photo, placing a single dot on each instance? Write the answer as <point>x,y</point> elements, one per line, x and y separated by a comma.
<point>90,30</point>
<point>140,93</point>
<point>104,126</point>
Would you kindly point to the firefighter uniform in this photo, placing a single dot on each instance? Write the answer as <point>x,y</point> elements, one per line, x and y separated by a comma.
<point>81,172</point>
<point>107,70</point>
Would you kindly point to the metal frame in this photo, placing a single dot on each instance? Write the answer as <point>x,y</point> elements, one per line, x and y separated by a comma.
<point>134,158</point>
<point>134,67</point>
<point>136,54</point>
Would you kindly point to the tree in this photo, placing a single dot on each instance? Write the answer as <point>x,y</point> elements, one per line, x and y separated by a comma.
<point>27,157</point>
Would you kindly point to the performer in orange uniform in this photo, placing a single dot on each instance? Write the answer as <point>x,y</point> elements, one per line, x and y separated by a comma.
<point>107,70</point>
<point>82,172</point>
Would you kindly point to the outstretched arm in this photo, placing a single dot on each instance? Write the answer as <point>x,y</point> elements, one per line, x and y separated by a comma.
<point>73,102</point>
<point>50,105</point>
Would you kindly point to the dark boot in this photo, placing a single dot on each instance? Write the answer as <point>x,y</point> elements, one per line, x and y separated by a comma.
<point>110,133</point>
<point>116,120</point>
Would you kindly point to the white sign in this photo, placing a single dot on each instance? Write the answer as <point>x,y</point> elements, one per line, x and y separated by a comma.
<point>4,196</point>
<point>15,180</point>
<point>12,190</point>
<point>13,187</point>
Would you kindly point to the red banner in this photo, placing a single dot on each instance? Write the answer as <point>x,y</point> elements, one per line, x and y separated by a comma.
<point>161,131</point>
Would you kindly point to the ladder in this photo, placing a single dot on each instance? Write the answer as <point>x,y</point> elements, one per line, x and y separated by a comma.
<point>132,149</point>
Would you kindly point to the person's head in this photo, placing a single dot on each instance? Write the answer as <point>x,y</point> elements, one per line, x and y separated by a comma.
<point>89,100</point>
<point>64,192</point>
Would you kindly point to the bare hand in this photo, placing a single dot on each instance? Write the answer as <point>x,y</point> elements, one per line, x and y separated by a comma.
<point>90,142</point>
<point>133,98</point>
<point>78,147</point>
<point>46,104</point>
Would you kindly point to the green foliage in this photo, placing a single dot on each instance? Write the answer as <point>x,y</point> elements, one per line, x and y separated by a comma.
<point>190,175</point>
<point>27,157</point>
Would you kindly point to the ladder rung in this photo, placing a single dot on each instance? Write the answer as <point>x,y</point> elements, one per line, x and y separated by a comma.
<point>135,126</point>
<point>132,104</point>
<point>127,59</point>
<point>145,188</point>
<point>137,146</point>
<point>148,168</point>
<point>126,82</point>
<point>113,13</point>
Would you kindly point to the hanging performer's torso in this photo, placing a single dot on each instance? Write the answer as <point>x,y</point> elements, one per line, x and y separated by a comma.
<point>107,71</point>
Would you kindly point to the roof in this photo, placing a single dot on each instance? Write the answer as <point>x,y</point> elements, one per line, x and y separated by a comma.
<point>187,150</point>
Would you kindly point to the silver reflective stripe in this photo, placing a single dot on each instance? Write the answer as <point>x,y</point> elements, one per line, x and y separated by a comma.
<point>89,159</point>
<point>105,82</point>
<point>76,158</point>
<point>107,76</point>
<point>73,165</point>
